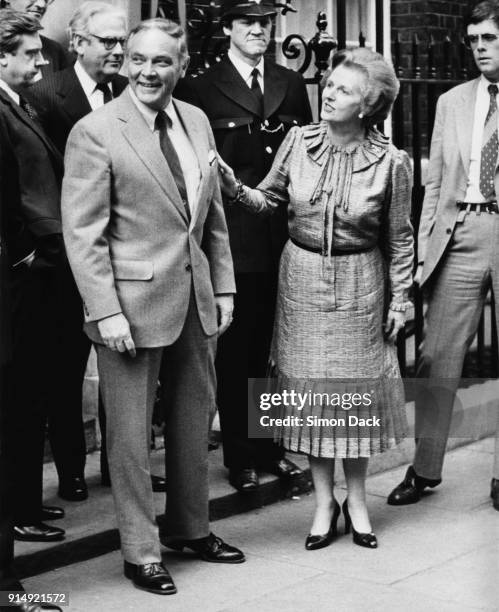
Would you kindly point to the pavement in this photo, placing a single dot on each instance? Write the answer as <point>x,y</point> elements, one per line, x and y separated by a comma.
<point>439,555</point>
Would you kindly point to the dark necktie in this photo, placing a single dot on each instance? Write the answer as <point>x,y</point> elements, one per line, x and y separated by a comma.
<point>162,123</point>
<point>490,145</point>
<point>257,90</point>
<point>106,92</point>
<point>27,108</point>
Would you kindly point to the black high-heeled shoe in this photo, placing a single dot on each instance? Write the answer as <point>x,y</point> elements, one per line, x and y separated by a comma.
<point>368,540</point>
<point>314,542</point>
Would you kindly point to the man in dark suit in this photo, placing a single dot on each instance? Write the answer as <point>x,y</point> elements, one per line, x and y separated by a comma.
<point>31,179</point>
<point>52,51</point>
<point>8,578</point>
<point>97,31</point>
<point>251,103</point>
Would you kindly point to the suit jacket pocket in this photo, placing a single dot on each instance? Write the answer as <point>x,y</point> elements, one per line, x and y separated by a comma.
<point>132,269</point>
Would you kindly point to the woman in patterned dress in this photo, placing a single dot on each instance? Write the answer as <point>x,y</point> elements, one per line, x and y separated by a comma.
<point>343,283</point>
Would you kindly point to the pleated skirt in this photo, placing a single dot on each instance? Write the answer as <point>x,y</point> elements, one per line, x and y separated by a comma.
<point>328,345</point>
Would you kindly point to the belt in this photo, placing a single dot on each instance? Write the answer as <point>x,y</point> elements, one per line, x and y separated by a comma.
<point>305,247</point>
<point>478,207</point>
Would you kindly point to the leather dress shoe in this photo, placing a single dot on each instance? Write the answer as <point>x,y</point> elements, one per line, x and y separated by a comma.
<point>73,489</point>
<point>245,480</point>
<point>52,513</point>
<point>494,492</point>
<point>284,468</point>
<point>38,533</point>
<point>211,549</point>
<point>410,489</point>
<point>151,577</point>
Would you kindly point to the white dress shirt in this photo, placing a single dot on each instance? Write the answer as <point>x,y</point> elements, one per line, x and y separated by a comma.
<point>245,69</point>
<point>10,92</point>
<point>473,193</point>
<point>95,96</point>
<point>185,151</point>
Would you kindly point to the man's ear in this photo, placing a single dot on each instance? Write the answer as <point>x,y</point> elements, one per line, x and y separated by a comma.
<point>185,65</point>
<point>3,59</point>
<point>77,43</point>
<point>227,31</point>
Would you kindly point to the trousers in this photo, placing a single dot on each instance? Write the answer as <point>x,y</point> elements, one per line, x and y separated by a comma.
<point>455,303</point>
<point>128,385</point>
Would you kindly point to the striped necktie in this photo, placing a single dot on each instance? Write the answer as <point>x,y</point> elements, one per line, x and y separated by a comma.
<point>490,145</point>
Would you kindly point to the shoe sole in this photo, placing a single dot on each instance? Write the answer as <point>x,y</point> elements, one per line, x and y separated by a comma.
<point>153,590</point>
<point>196,555</point>
<point>35,539</point>
<point>220,561</point>
<point>156,592</point>
<point>73,498</point>
<point>402,503</point>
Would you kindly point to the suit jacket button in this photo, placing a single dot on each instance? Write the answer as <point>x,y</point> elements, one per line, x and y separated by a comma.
<point>269,150</point>
<point>448,230</point>
<point>188,267</point>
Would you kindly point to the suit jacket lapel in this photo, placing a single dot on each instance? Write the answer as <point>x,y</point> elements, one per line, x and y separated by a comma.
<point>464,127</point>
<point>75,102</point>
<point>275,89</point>
<point>231,84</point>
<point>146,146</point>
<point>33,126</point>
<point>193,133</point>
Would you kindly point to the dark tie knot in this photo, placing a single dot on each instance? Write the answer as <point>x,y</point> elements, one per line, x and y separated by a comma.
<point>162,121</point>
<point>255,73</point>
<point>104,87</point>
<point>493,90</point>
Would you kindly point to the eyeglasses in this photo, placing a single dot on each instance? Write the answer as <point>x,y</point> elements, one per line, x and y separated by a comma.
<point>109,42</point>
<point>472,40</point>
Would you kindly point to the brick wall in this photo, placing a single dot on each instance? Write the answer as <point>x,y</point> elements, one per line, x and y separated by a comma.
<point>425,18</point>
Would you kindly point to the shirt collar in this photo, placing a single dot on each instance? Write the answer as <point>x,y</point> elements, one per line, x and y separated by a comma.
<point>10,92</point>
<point>86,81</point>
<point>484,83</point>
<point>243,68</point>
<point>149,114</point>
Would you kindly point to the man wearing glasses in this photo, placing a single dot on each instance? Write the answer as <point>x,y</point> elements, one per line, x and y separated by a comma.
<point>97,34</point>
<point>52,51</point>
<point>458,258</point>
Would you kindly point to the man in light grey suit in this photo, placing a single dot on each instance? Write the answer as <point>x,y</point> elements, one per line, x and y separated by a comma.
<point>147,241</point>
<point>458,254</point>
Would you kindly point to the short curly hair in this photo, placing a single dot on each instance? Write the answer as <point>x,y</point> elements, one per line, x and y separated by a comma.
<point>381,83</point>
